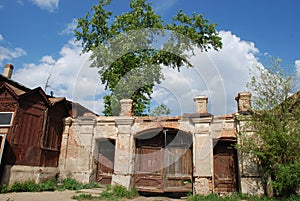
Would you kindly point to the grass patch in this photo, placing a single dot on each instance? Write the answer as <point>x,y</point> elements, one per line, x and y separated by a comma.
<point>239,197</point>
<point>50,185</point>
<point>117,192</point>
<point>83,197</point>
<point>110,193</point>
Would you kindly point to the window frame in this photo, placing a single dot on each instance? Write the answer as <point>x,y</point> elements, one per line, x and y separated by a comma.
<point>11,119</point>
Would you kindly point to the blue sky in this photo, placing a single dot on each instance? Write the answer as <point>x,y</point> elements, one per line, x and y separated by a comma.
<point>36,37</point>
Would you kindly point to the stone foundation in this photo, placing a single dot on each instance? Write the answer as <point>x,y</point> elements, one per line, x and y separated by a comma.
<point>19,173</point>
<point>80,176</point>
<point>203,186</point>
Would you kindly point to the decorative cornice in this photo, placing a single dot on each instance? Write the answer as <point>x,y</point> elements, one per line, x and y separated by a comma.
<point>124,121</point>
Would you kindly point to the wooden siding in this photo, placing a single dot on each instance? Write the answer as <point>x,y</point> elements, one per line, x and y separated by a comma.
<point>26,139</point>
<point>34,138</point>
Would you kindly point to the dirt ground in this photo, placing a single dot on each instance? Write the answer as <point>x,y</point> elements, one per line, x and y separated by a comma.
<point>67,196</point>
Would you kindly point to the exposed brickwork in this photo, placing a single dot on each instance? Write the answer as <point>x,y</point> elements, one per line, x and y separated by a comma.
<point>79,145</point>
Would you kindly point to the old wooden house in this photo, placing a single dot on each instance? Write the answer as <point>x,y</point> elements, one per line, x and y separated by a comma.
<point>31,126</point>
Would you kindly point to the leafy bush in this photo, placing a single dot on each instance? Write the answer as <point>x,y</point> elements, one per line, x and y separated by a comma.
<point>90,185</point>
<point>50,185</point>
<point>70,184</point>
<point>4,189</point>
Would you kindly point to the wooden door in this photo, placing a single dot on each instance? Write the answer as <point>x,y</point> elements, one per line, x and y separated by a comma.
<point>225,168</point>
<point>164,163</point>
<point>149,169</point>
<point>105,163</point>
<point>178,162</point>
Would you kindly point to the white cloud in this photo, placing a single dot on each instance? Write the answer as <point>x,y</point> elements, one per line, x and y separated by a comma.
<point>297,63</point>
<point>219,75</point>
<point>69,28</point>
<point>70,77</point>
<point>49,5</point>
<point>9,53</point>
<point>164,5</point>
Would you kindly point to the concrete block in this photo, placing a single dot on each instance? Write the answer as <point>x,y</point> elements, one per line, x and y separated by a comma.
<point>20,173</point>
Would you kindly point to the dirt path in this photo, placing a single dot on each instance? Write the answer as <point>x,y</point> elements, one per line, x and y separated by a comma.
<point>65,196</point>
<point>40,196</point>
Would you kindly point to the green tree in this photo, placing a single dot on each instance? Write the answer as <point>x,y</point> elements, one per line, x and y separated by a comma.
<point>160,110</point>
<point>275,120</point>
<point>127,50</point>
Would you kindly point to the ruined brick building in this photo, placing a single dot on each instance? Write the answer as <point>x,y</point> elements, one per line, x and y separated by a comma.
<point>189,153</point>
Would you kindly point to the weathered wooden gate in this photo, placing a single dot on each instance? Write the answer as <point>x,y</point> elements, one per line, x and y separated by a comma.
<point>163,162</point>
<point>105,163</point>
<point>225,167</point>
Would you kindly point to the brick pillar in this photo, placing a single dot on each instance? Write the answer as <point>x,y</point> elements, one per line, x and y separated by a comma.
<point>126,107</point>
<point>244,102</point>
<point>203,155</point>
<point>201,104</point>
<point>8,70</point>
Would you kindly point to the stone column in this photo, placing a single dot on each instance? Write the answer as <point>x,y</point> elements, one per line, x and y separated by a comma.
<point>249,176</point>
<point>202,148</point>
<point>125,146</point>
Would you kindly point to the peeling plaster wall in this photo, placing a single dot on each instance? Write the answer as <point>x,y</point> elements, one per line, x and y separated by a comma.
<point>79,150</point>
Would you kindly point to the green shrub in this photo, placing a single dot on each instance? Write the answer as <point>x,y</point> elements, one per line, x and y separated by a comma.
<point>90,185</point>
<point>16,187</point>
<point>4,189</point>
<point>71,184</point>
<point>50,185</point>
<point>28,186</point>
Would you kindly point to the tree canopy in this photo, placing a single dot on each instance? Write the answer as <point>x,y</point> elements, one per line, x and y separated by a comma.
<point>129,52</point>
<point>275,121</point>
